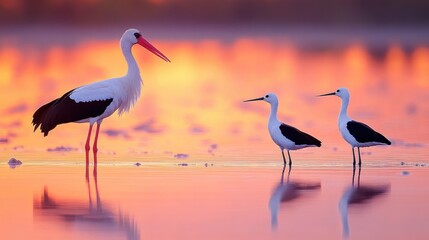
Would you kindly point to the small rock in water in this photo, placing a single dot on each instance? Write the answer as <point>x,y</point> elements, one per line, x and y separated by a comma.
<point>405,173</point>
<point>13,162</point>
<point>137,164</point>
<point>181,155</point>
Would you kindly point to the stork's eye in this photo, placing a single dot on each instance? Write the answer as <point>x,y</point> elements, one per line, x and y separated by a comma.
<point>137,35</point>
<point>267,96</point>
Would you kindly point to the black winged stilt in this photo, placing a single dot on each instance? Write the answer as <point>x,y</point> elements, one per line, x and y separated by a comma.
<point>357,134</point>
<point>285,136</point>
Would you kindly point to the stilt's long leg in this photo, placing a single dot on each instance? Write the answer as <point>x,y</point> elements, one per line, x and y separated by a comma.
<point>360,163</point>
<point>95,148</point>
<point>353,177</point>
<point>284,159</point>
<point>354,158</point>
<point>359,177</point>
<point>283,173</point>
<point>290,159</point>
<point>88,138</point>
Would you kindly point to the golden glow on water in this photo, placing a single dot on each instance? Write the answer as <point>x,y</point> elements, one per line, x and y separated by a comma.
<point>196,101</point>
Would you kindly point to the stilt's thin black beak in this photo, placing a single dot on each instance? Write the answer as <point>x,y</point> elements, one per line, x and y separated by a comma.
<point>255,99</point>
<point>327,94</point>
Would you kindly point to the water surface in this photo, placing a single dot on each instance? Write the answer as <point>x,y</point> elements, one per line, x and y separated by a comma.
<point>209,169</point>
<point>214,202</point>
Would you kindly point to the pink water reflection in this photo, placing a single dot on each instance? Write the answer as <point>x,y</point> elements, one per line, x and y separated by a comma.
<point>172,202</point>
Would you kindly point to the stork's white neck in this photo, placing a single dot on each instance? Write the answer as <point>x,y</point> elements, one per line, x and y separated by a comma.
<point>131,82</point>
<point>133,69</point>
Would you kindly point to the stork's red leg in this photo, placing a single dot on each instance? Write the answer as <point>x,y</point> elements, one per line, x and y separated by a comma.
<point>94,148</point>
<point>88,138</point>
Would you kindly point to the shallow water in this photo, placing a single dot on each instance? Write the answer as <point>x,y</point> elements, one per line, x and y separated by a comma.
<point>212,202</point>
<point>209,169</point>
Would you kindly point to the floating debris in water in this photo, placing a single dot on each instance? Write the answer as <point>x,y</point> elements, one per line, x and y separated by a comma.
<point>405,173</point>
<point>414,164</point>
<point>183,164</point>
<point>13,162</point>
<point>138,164</point>
<point>62,149</point>
<point>181,155</point>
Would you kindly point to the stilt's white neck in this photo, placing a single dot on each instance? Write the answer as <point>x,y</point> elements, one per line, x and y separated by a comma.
<point>343,112</point>
<point>273,113</point>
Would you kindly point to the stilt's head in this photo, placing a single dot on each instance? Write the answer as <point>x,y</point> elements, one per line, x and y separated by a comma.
<point>270,98</point>
<point>340,92</point>
<point>133,36</point>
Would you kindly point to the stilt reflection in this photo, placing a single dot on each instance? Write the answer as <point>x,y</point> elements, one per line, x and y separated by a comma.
<point>357,195</point>
<point>86,215</point>
<point>286,192</point>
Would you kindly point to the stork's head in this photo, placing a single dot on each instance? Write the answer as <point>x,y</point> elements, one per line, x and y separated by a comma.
<point>271,98</point>
<point>133,36</point>
<point>340,92</point>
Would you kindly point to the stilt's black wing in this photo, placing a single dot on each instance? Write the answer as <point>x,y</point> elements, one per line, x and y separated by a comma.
<point>363,133</point>
<point>297,136</point>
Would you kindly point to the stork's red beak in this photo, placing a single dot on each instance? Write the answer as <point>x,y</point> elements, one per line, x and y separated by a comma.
<point>151,48</point>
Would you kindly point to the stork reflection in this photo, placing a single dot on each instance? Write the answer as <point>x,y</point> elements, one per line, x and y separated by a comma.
<point>357,195</point>
<point>286,192</point>
<point>89,215</point>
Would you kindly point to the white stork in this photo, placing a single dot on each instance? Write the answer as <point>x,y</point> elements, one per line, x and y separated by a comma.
<point>93,102</point>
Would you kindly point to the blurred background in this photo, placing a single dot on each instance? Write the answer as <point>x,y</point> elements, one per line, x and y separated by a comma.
<point>222,53</point>
<point>289,12</point>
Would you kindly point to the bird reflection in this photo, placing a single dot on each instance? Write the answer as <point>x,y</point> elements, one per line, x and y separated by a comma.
<point>357,195</point>
<point>286,192</point>
<point>90,214</point>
